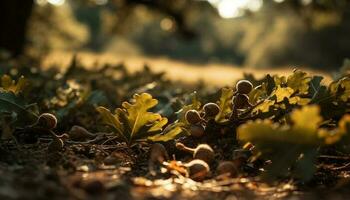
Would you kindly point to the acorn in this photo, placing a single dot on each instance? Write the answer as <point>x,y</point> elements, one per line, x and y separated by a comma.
<point>198,170</point>
<point>227,169</point>
<point>240,101</point>
<point>203,152</point>
<point>57,143</point>
<point>193,117</point>
<point>78,133</point>
<point>211,109</point>
<point>94,187</point>
<point>244,87</point>
<point>158,153</point>
<point>197,131</point>
<point>47,121</point>
<point>111,160</point>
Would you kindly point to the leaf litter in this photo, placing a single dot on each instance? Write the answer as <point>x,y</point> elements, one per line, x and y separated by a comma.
<point>289,137</point>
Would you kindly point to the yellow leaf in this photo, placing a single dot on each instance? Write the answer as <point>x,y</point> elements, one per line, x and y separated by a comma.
<point>138,114</point>
<point>282,92</point>
<point>300,101</point>
<point>341,88</point>
<point>255,131</point>
<point>258,93</point>
<point>166,136</point>
<point>133,120</point>
<point>343,130</point>
<point>346,95</point>
<point>279,80</point>
<point>303,131</point>
<point>344,124</point>
<point>308,117</point>
<point>225,104</point>
<point>6,82</point>
<point>9,85</point>
<point>264,106</point>
<point>299,82</point>
<point>158,126</point>
<point>110,119</point>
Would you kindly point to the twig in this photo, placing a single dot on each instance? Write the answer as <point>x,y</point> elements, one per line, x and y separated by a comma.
<point>110,139</point>
<point>335,157</point>
<point>342,167</point>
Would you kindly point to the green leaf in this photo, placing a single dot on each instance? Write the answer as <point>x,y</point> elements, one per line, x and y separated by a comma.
<point>110,119</point>
<point>195,105</point>
<point>299,82</point>
<point>279,80</point>
<point>258,93</point>
<point>134,121</point>
<point>341,89</point>
<point>315,85</point>
<point>169,135</point>
<point>123,118</point>
<point>137,113</point>
<point>10,103</point>
<point>305,166</point>
<point>225,104</point>
<point>284,144</point>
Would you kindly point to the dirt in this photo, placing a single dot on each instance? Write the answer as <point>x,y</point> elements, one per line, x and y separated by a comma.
<point>113,170</point>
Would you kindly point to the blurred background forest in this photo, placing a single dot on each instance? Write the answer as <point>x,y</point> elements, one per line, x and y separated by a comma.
<point>254,33</point>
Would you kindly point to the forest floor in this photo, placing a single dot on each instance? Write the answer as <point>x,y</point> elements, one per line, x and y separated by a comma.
<point>101,167</point>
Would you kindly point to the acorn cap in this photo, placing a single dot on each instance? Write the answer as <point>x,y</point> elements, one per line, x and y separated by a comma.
<point>227,168</point>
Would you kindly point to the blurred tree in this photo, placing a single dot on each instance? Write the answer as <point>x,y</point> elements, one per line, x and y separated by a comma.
<point>177,10</point>
<point>14,15</point>
<point>306,8</point>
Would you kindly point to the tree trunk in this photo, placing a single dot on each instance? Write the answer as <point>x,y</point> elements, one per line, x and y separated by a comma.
<point>14,15</point>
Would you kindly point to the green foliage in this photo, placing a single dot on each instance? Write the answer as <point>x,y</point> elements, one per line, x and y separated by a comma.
<point>289,145</point>
<point>194,105</point>
<point>341,89</point>
<point>299,82</point>
<point>14,110</point>
<point>11,104</point>
<point>225,105</point>
<point>288,135</point>
<point>170,133</point>
<point>133,121</point>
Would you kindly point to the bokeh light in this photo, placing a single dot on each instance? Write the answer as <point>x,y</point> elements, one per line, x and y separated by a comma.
<point>235,8</point>
<point>56,2</point>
